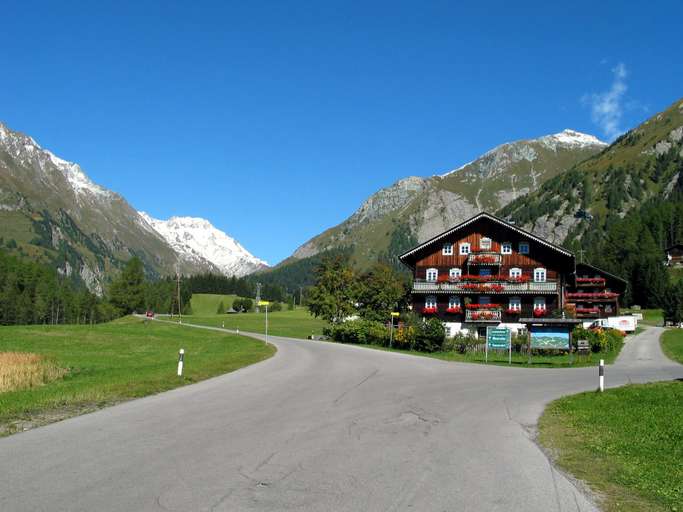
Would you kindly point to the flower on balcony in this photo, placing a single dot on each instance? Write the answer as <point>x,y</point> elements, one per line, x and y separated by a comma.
<point>591,280</point>
<point>454,309</point>
<point>513,311</point>
<point>483,306</point>
<point>429,310</point>
<point>483,315</point>
<point>478,279</point>
<point>483,288</point>
<point>443,278</point>
<point>597,295</point>
<point>587,310</point>
<point>484,258</point>
<point>539,312</point>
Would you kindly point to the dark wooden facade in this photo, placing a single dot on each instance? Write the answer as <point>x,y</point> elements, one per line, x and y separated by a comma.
<point>485,274</point>
<point>594,293</point>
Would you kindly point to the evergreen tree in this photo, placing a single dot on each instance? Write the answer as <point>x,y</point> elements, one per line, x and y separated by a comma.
<point>127,291</point>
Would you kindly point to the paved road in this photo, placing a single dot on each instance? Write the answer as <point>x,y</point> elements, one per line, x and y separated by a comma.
<point>318,427</point>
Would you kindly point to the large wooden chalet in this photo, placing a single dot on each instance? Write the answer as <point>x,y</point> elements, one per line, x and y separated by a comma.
<point>488,272</point>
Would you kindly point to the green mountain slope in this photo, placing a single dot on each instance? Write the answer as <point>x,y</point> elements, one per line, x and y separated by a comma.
<point>643,164</point>
<point>52,212</point>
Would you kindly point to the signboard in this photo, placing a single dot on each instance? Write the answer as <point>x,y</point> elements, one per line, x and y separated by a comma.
<point>497,338</point>
<point>547,337</point>
<point>263,303</point>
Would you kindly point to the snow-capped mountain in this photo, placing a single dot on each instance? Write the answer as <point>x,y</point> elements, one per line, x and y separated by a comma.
<point>51,210</point>
<point>414,209</point>
<point>197,240</point>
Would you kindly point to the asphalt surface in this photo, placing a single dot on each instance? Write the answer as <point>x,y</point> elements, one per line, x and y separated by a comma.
<point>320,426</point>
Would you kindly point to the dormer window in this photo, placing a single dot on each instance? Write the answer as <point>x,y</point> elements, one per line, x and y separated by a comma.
<point>432,274</point>
<point>539,275</point>
<point>485,244</point>
<point>464,249</point>
<point>506,248</point>
<point>447,249</point>
<point>523,247</point>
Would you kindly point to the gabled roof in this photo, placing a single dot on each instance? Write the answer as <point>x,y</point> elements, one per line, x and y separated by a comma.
<point>483,215</point>
<point>675,246</point>
<point>600,271</point>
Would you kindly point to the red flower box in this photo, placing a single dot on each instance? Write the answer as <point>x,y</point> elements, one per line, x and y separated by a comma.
<point>429,311</point>
<point>593,280</point>
<point>539,312</point>
<point>483,315</point>
<point>483,258</point>
<point>520,279</point>
<point>442,278</point>
<point>587,310</point>
<point>484,306</point>
<point>454,309</point>
<point>513,311</point>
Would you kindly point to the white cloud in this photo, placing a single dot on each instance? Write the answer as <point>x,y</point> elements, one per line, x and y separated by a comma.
<point>607,107</point>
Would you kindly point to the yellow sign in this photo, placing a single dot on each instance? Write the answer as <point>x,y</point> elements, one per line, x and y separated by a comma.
<point>263,303</point>
<point>394,313</point>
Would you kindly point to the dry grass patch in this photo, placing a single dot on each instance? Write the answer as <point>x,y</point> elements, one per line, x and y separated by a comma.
<point>21,370</point>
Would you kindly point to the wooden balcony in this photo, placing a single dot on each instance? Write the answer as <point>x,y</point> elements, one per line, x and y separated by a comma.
<point>484,258</point>
<point>483,315</point>
<point>487,288</point>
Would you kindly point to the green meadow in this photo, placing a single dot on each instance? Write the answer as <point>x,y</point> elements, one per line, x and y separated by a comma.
<point>113,362</point>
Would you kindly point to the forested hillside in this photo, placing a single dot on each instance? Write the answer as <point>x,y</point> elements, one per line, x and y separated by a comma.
<point>641,165</point>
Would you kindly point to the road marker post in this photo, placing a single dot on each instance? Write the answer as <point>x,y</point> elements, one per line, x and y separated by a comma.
<point>601,373</point>
<point>265,303</point>
<point>181,356</point>
<point>391,331</point>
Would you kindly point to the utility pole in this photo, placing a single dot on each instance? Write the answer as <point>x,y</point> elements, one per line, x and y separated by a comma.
<point>177,274</point>
<point>581,252</point>
<point>258,297</point>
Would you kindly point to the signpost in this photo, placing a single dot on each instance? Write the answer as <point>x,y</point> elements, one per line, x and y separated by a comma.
<point>498,338</point>
<point>394,314</point>
<point>265,303</point>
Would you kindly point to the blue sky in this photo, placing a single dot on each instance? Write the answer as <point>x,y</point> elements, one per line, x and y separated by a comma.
<point>275,120</point>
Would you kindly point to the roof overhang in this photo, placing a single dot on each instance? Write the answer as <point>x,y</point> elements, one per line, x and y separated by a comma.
<point>407,257</point>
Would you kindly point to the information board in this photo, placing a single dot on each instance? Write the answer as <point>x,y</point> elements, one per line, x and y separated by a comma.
<point>550,337</point>
<point>498,338</point>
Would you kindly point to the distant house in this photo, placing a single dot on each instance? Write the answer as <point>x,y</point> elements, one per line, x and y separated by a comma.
<point>593,292</point>
<point>674,255</point>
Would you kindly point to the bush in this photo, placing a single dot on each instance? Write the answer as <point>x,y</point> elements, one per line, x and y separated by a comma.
<point>601,340</point>
<point>431,336</point>
<point>275,306</point>
<point>363,332</point>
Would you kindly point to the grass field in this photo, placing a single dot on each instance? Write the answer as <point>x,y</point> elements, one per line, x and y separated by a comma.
<point>112,362</point>
<point>626,443</point>
<point>295,324</point>
<point>203,304</point>
<point>672,345</point>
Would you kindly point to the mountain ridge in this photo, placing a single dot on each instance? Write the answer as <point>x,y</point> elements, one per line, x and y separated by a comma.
<point>417,207</point>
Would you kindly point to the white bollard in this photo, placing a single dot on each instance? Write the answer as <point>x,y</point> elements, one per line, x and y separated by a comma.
<point>223,325</point>
<point>601,373</point>
<point>238,332</point>
<point>181,356</point>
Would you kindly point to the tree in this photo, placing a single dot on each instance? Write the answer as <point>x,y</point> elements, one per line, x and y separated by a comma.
<point>127,291</point>
<point>334,294</point>
<point>221,308</point>
<point>380,291</point>
<point>672,303</point>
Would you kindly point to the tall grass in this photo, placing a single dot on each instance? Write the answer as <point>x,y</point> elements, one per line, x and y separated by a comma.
<point>20,370</point>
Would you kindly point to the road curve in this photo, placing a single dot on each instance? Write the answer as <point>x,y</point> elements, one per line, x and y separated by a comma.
<point>320,426</point>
